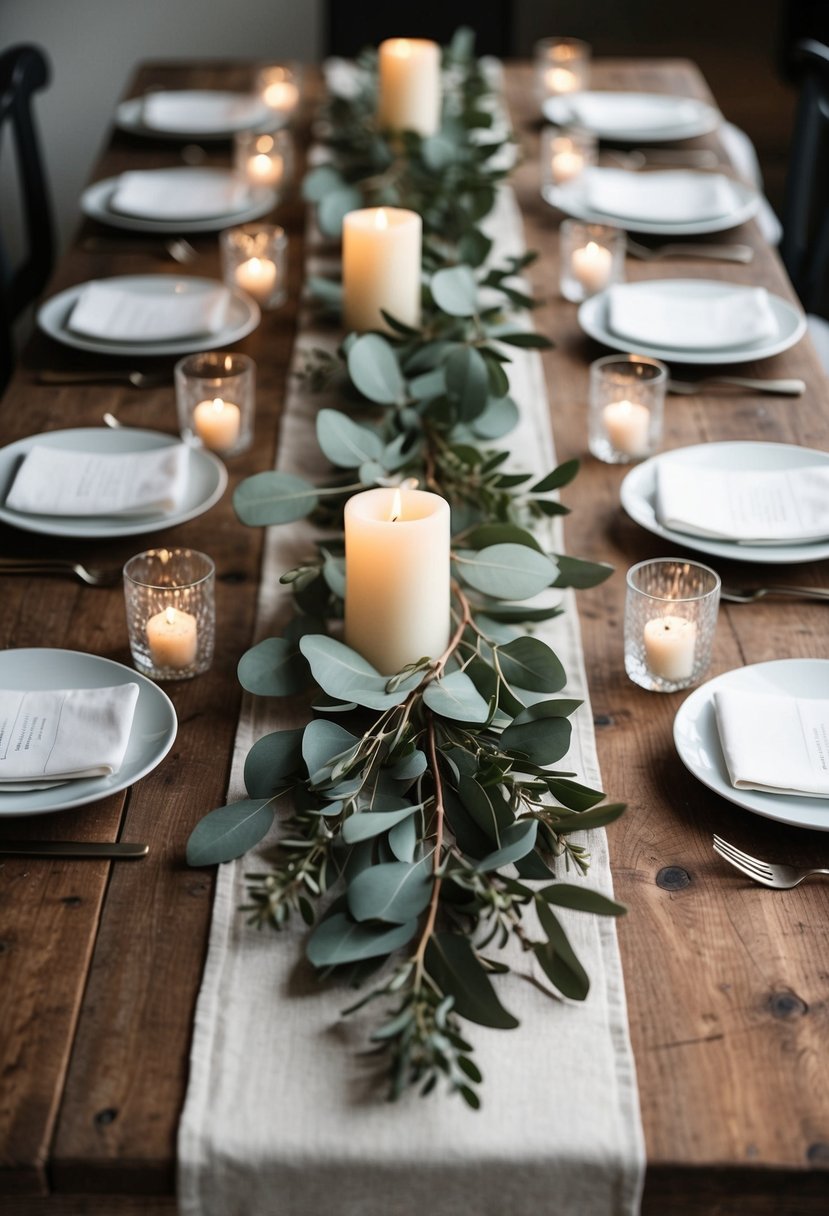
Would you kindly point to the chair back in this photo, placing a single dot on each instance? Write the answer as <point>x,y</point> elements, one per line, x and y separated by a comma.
<point>23,72</point>
<point>805,244</point>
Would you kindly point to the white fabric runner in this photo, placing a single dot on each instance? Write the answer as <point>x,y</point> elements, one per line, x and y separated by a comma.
<point>281,1115</point>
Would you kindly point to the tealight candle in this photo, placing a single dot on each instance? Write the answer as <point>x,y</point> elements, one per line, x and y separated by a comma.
<point>626,405</point>
<point>173,638</point>
<point>562,66</point>
<point>265,166</point>
<point>217,424</point>
<point>592,267</point>
<point>281,95</point>
<point>566,164</point>
<point>561,80</point>
<point>257,276</point>
<point>397,576</point>
<point>670,644</point>
<point>627,424</point>
<point>381,267</point>
<point>592,258</point>
<point>409,87</point>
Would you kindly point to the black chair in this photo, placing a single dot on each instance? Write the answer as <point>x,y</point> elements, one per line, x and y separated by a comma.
<point>23,272</point>
<point>805,244</point>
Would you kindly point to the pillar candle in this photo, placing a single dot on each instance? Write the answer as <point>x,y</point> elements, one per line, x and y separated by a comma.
<point>670,643</point>
<point>409,97</point>
<point>173,638</point>
<point>628,427</point>
<point>592,266</point>
<point>217,423</point>
<point>257,276</point>
<point>396,576</point>
<point>381,267</point>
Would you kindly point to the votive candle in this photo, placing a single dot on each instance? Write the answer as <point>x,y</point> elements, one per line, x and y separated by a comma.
<point>217,424</point>
<point>670,645</point>
<point>627,424</point>
<point>173,638</point>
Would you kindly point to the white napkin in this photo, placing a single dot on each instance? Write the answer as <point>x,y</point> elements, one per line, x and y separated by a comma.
<point>120,315</point>
<point>754,506</point>
<point>775,744</point>
<point>620,112</point>
<point>202,111</point>
<point>670,197</point>
<point>647,313</point>
<point>180,194</point>
<point>48,737</point>
<point>54,481</point>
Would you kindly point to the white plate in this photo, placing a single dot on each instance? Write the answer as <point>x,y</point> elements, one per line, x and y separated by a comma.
<point>791,326</point>
<point>638,493</point>
<point>698,741</point>
<point>663,117</point>
<point>153,726</point>
<point>95,202</point>
<point>570,198</point>
<point>206,483</point>
<point>243,316</point>
<point>129,117</point>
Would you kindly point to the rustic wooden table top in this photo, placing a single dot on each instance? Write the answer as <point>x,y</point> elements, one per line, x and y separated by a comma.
<point>100,963</point>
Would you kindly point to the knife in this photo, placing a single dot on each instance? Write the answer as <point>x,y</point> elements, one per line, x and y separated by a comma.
<point>71,848</point>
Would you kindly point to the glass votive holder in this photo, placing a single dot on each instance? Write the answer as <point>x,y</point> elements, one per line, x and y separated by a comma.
<point>216,400</point>
<point>670,618</point>
<point>280,87</point>
<point>562,65</point>
<point>255,258</point>
<point>626,407</point>
<point>565,154</point>
<point>171,616</point>
<point>592,258</point>
<point>265,158</point>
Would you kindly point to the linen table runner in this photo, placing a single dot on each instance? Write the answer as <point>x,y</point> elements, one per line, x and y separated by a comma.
<point>283,1115</point>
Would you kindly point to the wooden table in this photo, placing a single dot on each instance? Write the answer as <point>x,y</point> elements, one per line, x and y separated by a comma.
<point>727,983</point>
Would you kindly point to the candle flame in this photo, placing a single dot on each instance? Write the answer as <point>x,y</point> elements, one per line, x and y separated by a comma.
<point>381,220</point>
<point>264,143</point>
<point>402,47</point>
<point>396,506</point>
<point>170,616</point>
<point>592,248</point>
<point>217,405</point>
<point>228,363</point>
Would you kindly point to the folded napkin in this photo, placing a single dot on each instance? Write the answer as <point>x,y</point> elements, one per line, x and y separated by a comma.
<point>670,197</point>
<point>202,111</point>
<point>54,481</point>
<point>180,194</point>
<point>752,506</point>
<point>120,315</point>
<point>622,112</point>
<point>775,744</point>
<point>48,737</point>
<point>653,315</point>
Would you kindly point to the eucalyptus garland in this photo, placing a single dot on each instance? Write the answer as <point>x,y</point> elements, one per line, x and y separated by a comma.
<point>423,809</point>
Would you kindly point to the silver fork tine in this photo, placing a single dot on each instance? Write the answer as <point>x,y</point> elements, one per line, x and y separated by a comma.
<point>754,875</point>
<point>752,866</point>
<point>740,855</point>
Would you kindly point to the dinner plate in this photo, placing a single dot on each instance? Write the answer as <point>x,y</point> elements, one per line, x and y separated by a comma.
<point>660,117</point>
<point>698,740</point>
<point>791,326</point>
<point>570,198</point>
<point>129,117</point>
<point>243,316</point>
<point>206,483</point>
<point>96,199</point>
<point>638,493</point>
<point>151,737</point>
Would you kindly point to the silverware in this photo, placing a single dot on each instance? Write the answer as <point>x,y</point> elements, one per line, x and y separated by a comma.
<point>99,577</point>
<point>638,158</point>
<point>111,376</point>
<point>767,873</point>
<point>750,595</point>
<point>777,388</point>
<point>178,249</point>
<point>719,252</point>
<point>71,848</point>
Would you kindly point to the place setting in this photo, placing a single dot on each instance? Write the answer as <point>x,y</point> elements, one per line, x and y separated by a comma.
<point>177,200</point>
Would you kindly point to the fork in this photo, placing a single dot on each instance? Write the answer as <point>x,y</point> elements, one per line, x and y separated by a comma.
<point>180,250</point>
<point>98,577</point>
<point>637,158</point>
<point>778,388</point>
<point>767,873</point>
<point>750,595</point>
<point>113,376</point>
<point>721,252</point>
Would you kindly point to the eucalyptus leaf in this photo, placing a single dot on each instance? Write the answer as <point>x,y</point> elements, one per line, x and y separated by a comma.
<point>368,824</point>
<point>273,498</point>
<point>273,668</point>
<point>500,534</point>
<point>467,381</point>
<point>394,892</point>
<point>573,794</point>
<point>455,696</point>
<point>507,571</point>
<point>488,808</point>
<point>529,663</point>
<point>559,477</point>
<point>326,291</point>
<point>345,442</point>
<point>470,839</point>
<point>334,206</point>
<point>455,291</point>
<point>344,674</point>
<point>403,840</point>
<point>338,939</point>
<point>541,733</point>
<point>373,366</point>
<point>319,182</point>
<point>568,895</point>
<point>474,247</point>
<point>498,418</point>
<point>516,842</point>
<point>272,762</point>
<point>575,572</point>
<point>457,972</point>
<point>229,831</point>
<point>322,741</point>
<point>558,958</point>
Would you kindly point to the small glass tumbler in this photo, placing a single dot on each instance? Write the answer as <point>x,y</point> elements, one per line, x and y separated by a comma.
<point>627,400</point>
<point>562,65</point>
<point>216,400</point>
<point>280,87</point>
<point>670,618</point>
<point>592,258</point>
<point>171,617</point>
<point>265,158</point>
<point>255,258</point>
<point>565,154</point>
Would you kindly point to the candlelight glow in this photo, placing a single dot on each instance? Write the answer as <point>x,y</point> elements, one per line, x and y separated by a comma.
<point>401,47</point>
<point>217,405</point>
<point>264,143</point>
<point>396,506</point>
<point>170,616</point>
<point>381,220</point>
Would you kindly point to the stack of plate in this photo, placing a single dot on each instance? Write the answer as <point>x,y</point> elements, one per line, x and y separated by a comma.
<point>628,117</point>
<point>182,201</point>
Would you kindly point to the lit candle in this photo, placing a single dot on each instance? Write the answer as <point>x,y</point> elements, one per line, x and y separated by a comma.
<point>627,424</point>
<point>566,161</point>
<point>396,576</point>
<point>409,97</point>
<point>561,80</point>
<point>281,96</point>
<point>173,638</point>
<point>592,267</point>
<point>257,276</point>
<point>381,267</point>
<point>217,424</point>
<point>266,166</point>
<point>670,643</point>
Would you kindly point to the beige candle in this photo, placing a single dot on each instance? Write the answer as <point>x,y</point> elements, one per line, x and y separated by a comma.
<point>381,267</point>
<point>670,644</point>
<point>592,267</point>
<point>266,166</point>
<point>409,97</point>
<point>627,424</point>
<point>281,96</point>
<point>561,80</point>
<point>566,161</point>
<point>257,276</point>
<point>217,424</point>
<point>173,638</point>
<point>396,576</point>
